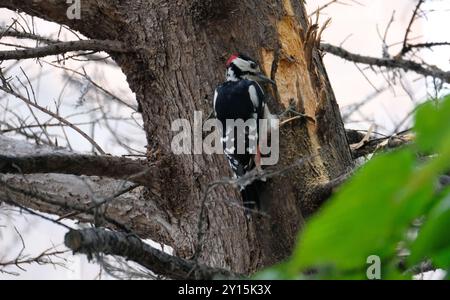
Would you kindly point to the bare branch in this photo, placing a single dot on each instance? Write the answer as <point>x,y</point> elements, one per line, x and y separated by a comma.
<point>8,89</point>
<point>380,144</point>
<point>319,9</point>
<point>79,199</point>
<point>408,29</point>
<point>47,257</point>
<point>329,3</point>
<point>138,171</point>
<point>95,84</point>
<point>395,63</point>
<point>63,47</point>
<point>56,11</point>
<point>10,32</point>
<point>428,45</point>
<point>95,241</point>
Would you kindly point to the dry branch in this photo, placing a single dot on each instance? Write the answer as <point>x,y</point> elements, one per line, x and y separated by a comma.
<point>64,47</point>
<point>408,29</point>
<point>395,63</point>
<point>10,32</point>
<point>81,197</point>
<point>74,198</point>
<point>137,171</point>
<point>7,89</point>
<point>47,257</point>
<point>96,241</point>
<point>427,45</point>
<point>385,143</point>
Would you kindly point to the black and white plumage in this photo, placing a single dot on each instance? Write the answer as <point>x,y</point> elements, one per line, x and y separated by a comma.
<point>242,98</point>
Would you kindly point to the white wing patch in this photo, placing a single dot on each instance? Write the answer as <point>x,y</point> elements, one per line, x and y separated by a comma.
<point>260,88</point>
<point>254,96</point>
<point>216,94</point>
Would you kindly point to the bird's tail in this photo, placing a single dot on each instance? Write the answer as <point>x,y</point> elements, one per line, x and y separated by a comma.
<point>251,197</point>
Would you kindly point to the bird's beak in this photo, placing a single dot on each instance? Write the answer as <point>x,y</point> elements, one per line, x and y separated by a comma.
<point>264,78</point>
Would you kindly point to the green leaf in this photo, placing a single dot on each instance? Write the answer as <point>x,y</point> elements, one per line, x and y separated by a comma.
<point>359,221</point>
<point>433,240</point>
<point>433,124</point>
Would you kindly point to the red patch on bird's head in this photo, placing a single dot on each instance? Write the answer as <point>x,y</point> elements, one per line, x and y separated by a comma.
<point>232,58</point>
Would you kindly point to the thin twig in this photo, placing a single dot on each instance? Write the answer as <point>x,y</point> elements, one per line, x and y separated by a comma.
<point>9,90</point>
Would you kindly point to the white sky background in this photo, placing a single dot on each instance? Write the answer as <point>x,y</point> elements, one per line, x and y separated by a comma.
<point>356,24</point>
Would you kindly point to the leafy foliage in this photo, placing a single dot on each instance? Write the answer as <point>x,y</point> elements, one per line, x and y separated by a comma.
<point>373,213</point>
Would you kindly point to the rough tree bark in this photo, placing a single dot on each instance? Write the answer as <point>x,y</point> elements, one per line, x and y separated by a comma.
<point>182,49</point>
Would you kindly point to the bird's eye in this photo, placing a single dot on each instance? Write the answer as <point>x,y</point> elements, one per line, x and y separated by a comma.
<point>253,65</point>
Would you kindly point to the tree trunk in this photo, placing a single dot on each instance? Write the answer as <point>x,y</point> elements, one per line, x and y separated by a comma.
<point>186,46</point>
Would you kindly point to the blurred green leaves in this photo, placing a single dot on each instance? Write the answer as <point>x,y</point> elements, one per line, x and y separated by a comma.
<point>434,238</point>
<point>355,225</point>
<point>373,212</point>
<point>433,125</point>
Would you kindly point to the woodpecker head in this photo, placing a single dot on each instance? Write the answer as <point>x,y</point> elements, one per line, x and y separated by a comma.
<point>240,66</point>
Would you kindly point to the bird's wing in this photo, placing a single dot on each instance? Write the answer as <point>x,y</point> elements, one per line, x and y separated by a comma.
<point>258,98</point>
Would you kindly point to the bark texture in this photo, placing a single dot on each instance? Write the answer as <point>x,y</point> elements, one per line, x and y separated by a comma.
<point>182,47</point>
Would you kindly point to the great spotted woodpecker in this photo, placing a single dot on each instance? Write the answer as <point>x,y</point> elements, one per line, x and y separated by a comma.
<point>242,98</point>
